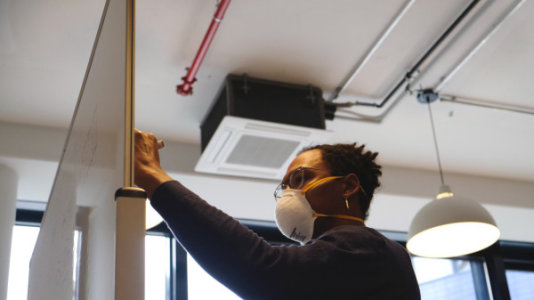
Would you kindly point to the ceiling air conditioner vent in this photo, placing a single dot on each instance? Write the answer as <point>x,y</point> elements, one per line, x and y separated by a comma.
<point>252,148</point>
<point>256,127</point>
<point>251,151</point>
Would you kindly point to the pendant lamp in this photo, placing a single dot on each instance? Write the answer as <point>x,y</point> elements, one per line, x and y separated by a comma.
<point>449,225</point>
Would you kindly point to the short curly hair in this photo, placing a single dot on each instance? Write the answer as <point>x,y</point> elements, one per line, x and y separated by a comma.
<point>344,159</point>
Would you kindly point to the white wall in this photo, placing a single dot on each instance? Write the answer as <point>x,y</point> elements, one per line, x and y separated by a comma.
<point>402,194</point>
<point>403,190</point>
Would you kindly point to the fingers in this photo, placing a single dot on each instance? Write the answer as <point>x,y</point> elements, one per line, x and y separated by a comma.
<point>146,148</point>
<point>145,141</point>
<point>148,171</point>
<point>141,136</point>
<point>146,136</point>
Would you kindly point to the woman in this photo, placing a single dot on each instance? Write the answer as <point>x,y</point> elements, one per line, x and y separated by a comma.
<point>322,202</point>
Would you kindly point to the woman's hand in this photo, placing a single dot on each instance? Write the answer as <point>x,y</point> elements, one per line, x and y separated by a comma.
<point>148,172</point>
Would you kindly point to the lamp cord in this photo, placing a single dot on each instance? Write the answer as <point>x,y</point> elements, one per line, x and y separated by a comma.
<point>435,143</point>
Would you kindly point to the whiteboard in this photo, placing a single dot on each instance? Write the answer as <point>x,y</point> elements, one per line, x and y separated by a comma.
<point>92,167</point>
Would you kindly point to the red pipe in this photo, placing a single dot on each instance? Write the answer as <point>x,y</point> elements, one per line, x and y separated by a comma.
<point>186,88</point>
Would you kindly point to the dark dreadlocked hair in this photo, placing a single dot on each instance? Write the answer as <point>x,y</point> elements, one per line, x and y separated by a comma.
<point>344,159</point>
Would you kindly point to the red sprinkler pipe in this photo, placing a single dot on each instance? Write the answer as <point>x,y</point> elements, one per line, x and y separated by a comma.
<point>186,88</point>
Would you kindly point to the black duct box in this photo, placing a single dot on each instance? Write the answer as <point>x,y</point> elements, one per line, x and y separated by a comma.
<point>260,99</point>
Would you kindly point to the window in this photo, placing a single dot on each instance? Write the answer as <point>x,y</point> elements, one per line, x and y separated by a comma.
<point>520,284</point>
<point>200,285</point>
<point>171,274</point>
<point>448,278</point>
<point>157,263</point>
<point>157,267</point>
<point>22,243</point>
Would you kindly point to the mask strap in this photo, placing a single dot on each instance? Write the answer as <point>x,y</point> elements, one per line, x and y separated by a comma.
<point>339,217</point>
<point>320,181</point>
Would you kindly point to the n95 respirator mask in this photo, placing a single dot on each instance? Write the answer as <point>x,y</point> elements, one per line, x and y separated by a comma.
<point>295,217</point>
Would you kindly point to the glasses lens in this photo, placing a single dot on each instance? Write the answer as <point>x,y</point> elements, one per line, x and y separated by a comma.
<point>299,177</point>
<point>278,192</point>
<point>295,179</point>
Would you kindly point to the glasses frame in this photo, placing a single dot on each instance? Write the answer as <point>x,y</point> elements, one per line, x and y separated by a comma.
<point>282,186</point>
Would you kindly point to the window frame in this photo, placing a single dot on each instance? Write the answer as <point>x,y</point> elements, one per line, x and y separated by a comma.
<point>501,256</point>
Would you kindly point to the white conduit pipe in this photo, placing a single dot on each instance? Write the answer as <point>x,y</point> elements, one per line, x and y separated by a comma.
<point>359,66</point>
<point>486,104</point>
<point>478,45</point>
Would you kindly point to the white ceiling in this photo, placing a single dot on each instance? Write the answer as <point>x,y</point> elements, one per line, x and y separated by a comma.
<point>45,47</point>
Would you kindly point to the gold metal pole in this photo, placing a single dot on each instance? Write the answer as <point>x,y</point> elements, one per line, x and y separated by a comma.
<point>130,229</point>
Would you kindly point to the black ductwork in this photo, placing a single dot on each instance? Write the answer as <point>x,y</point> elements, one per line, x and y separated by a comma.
<point>266,100</point>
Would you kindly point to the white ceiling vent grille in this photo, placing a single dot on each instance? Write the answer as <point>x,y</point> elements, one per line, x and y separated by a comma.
<point>251,148</point>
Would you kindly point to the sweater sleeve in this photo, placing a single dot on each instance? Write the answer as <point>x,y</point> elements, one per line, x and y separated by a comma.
<point>338,265</point>
<point>227,250</point>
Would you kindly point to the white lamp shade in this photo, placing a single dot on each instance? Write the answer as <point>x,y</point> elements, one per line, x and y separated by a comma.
<point>451,227</point>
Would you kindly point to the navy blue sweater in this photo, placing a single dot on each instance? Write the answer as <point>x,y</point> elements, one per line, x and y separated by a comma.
<point>346,262</point>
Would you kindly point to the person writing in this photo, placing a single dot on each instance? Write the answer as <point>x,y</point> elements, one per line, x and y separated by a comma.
<point>322,203</point>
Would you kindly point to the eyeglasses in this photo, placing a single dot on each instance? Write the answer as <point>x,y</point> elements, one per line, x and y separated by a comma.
<point>297,180</point>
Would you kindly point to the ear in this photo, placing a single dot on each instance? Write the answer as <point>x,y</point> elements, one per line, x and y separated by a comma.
<point>352,185</point>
